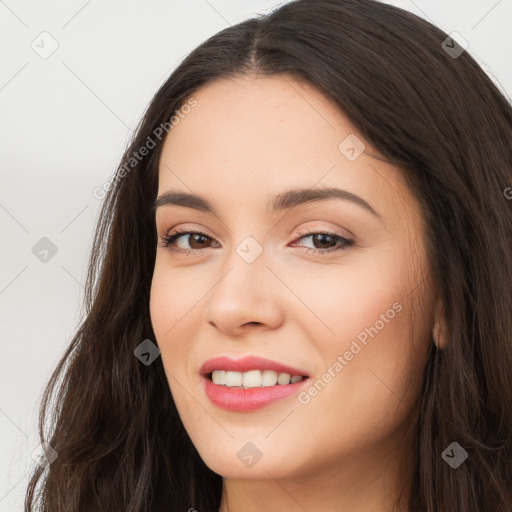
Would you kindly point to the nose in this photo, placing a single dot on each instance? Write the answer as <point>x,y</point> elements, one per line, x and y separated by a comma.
<point>248,296</point>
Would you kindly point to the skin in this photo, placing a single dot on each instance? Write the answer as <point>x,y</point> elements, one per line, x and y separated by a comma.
<point>248,140</point>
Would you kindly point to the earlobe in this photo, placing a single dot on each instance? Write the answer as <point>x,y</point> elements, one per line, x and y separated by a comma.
<point>440,329</point>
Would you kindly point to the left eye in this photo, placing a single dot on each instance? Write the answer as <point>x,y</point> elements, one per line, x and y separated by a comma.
<point>198,241</point>
<point>329,239</point>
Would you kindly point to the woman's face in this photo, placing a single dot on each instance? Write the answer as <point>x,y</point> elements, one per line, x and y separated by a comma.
<point>336,287</point>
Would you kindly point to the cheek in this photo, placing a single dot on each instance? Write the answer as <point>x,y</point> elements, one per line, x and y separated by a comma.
<point>346,299</point>
<point>374,351</point>
<point>171,312</point>
<point>377,379</point>
<point>173,299</point>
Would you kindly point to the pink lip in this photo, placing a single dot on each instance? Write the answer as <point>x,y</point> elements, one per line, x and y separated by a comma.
<point>245,400</point>
<point>246,364</point>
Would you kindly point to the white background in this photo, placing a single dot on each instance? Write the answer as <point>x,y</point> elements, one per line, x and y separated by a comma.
<point>64,123</point>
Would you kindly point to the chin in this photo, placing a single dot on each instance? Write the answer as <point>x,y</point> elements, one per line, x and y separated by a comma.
<point>246,462</point>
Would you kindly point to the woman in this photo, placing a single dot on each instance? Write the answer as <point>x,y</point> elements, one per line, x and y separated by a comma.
<point>299,293</point>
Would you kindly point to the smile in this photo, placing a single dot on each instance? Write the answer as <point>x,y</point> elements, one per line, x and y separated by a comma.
<point>253,378</point>
<point>249,383</point>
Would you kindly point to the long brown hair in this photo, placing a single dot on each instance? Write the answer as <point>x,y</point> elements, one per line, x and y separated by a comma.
<point>120,442</point>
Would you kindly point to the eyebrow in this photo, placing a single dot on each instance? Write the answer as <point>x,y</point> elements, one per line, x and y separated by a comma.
<point>284,201</point>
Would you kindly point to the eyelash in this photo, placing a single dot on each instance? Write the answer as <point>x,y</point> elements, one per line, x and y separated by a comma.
<point>167,241</point>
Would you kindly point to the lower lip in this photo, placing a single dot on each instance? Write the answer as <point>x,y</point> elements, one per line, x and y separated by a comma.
<point>250,399</point>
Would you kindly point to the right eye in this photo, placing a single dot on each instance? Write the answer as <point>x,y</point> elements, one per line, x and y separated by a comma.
<point>195,237</point>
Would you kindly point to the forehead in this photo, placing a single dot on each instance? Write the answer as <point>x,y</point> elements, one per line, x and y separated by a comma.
<point>260,120</point>
<point>254,136</point>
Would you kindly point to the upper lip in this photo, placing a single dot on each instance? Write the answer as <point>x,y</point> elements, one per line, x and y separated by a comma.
<point>246,364</point>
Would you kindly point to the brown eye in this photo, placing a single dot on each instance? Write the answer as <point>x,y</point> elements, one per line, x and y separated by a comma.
<point>325,242</point>
<point>324,239</point>
<point>196,241</point>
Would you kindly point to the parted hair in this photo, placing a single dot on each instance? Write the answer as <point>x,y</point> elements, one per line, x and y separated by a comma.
<point>121,444</point>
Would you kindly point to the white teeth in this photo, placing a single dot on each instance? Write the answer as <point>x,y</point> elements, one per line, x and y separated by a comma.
<point>269,378</point>
<point>219,377</point>
<point>284,378</point>
<point>253,378</point>
<point>233,379</point>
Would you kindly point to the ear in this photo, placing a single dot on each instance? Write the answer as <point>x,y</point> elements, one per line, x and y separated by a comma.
<point>440,329</point>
